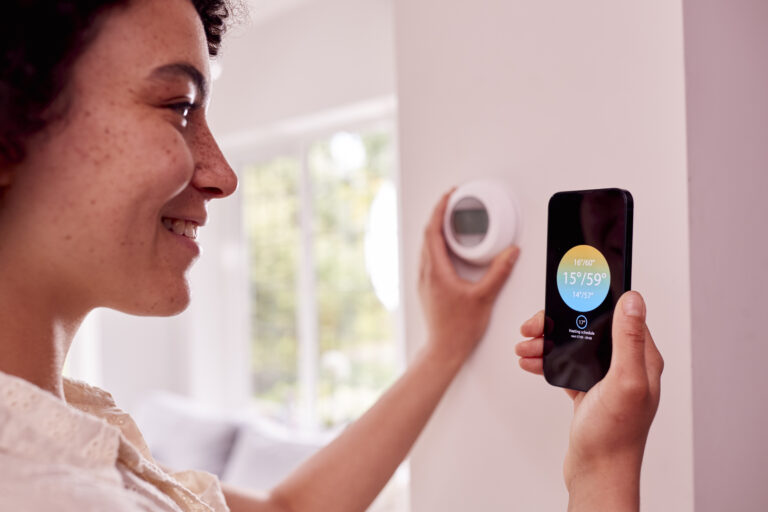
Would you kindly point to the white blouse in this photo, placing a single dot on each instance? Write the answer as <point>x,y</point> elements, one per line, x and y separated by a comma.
<point>86,455</point>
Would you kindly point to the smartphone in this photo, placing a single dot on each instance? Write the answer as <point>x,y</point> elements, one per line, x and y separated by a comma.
<point>589,267</point>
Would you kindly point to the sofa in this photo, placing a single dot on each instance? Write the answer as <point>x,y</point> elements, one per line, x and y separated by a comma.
<point>242,449</point>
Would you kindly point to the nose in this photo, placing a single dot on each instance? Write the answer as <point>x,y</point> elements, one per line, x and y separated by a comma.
<point>213,175</point>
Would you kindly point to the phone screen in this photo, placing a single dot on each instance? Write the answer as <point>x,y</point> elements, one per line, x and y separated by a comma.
<point>589,266</point>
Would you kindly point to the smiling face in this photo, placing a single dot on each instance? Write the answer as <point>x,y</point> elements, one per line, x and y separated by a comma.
<point>103,209</point>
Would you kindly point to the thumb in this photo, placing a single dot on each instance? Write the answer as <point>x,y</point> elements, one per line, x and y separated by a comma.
<point>501,266</point>
<point>628,358</point>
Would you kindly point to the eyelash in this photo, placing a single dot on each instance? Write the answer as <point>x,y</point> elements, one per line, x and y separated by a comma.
<point>182,108</point>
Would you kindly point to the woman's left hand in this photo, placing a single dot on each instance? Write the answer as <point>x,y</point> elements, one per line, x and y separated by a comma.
<point>457,311</point>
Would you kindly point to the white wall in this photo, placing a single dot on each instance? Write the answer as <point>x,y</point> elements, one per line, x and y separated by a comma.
<point>727,69</point>
<point>549,95</point>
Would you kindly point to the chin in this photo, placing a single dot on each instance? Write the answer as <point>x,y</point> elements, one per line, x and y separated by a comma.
<point>173,307</point>
<point>168,301</point>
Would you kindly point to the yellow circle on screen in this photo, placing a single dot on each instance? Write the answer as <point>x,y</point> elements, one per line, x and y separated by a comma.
<point>583,278</point>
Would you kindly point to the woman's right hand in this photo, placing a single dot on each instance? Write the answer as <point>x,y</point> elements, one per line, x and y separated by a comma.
<point>611,421</point>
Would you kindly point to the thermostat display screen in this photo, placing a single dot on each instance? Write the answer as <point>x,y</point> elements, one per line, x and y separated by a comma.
<point>480,221</point>
<point>470,222</point>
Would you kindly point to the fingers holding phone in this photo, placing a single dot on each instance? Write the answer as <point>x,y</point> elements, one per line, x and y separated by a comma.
<point>530,351</point>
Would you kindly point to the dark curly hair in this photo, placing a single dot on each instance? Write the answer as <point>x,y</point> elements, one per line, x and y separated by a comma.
<point>39,42</point>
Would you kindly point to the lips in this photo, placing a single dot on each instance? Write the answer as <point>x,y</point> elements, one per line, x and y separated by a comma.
<point>187,228</point>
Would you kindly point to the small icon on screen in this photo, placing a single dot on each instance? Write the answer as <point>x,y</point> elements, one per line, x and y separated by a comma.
<point>581,322</point>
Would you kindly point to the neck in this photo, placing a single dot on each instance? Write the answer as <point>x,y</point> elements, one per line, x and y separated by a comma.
<point>36,333</point>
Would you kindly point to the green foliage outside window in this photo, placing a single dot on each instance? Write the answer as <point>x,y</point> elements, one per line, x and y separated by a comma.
<point>272,209</point>
<point>356,334</point>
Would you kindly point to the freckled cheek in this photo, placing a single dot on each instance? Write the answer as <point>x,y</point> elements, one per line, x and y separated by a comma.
<point>138,175</point>
<point>180,162</point>
<point>147,152</point>
<point>105,183</point>
<point>172,163</point>
<point>163,165</point>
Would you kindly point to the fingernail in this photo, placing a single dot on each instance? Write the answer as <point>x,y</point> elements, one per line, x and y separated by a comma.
<point>633,305</point>
<point>514,252</point>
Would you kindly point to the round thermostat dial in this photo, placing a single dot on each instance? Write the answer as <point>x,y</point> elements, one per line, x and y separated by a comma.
<point>481,220</point>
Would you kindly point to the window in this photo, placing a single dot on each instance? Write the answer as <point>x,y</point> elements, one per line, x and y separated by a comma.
<point>324,284</point>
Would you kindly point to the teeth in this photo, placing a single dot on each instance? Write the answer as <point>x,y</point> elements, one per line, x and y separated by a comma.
<point>190,231</point>
<point>181,227</point>
<point>178,226</point>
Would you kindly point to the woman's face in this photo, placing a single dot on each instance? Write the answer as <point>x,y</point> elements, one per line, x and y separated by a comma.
<point>90,214</point>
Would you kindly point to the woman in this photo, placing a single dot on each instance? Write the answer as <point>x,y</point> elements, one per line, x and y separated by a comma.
<point>106,166</point>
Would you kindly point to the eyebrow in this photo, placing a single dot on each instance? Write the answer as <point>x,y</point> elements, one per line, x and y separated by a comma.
<point>185,70</point>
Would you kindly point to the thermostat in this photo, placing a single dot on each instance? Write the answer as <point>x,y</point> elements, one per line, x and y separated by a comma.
<point>481,220</point>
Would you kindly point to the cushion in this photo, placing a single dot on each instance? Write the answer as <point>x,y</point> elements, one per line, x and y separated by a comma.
<point>182,434</point>
<point>261,458</point>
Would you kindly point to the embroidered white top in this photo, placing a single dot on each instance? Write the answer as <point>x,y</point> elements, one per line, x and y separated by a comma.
<point>86,455</point>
